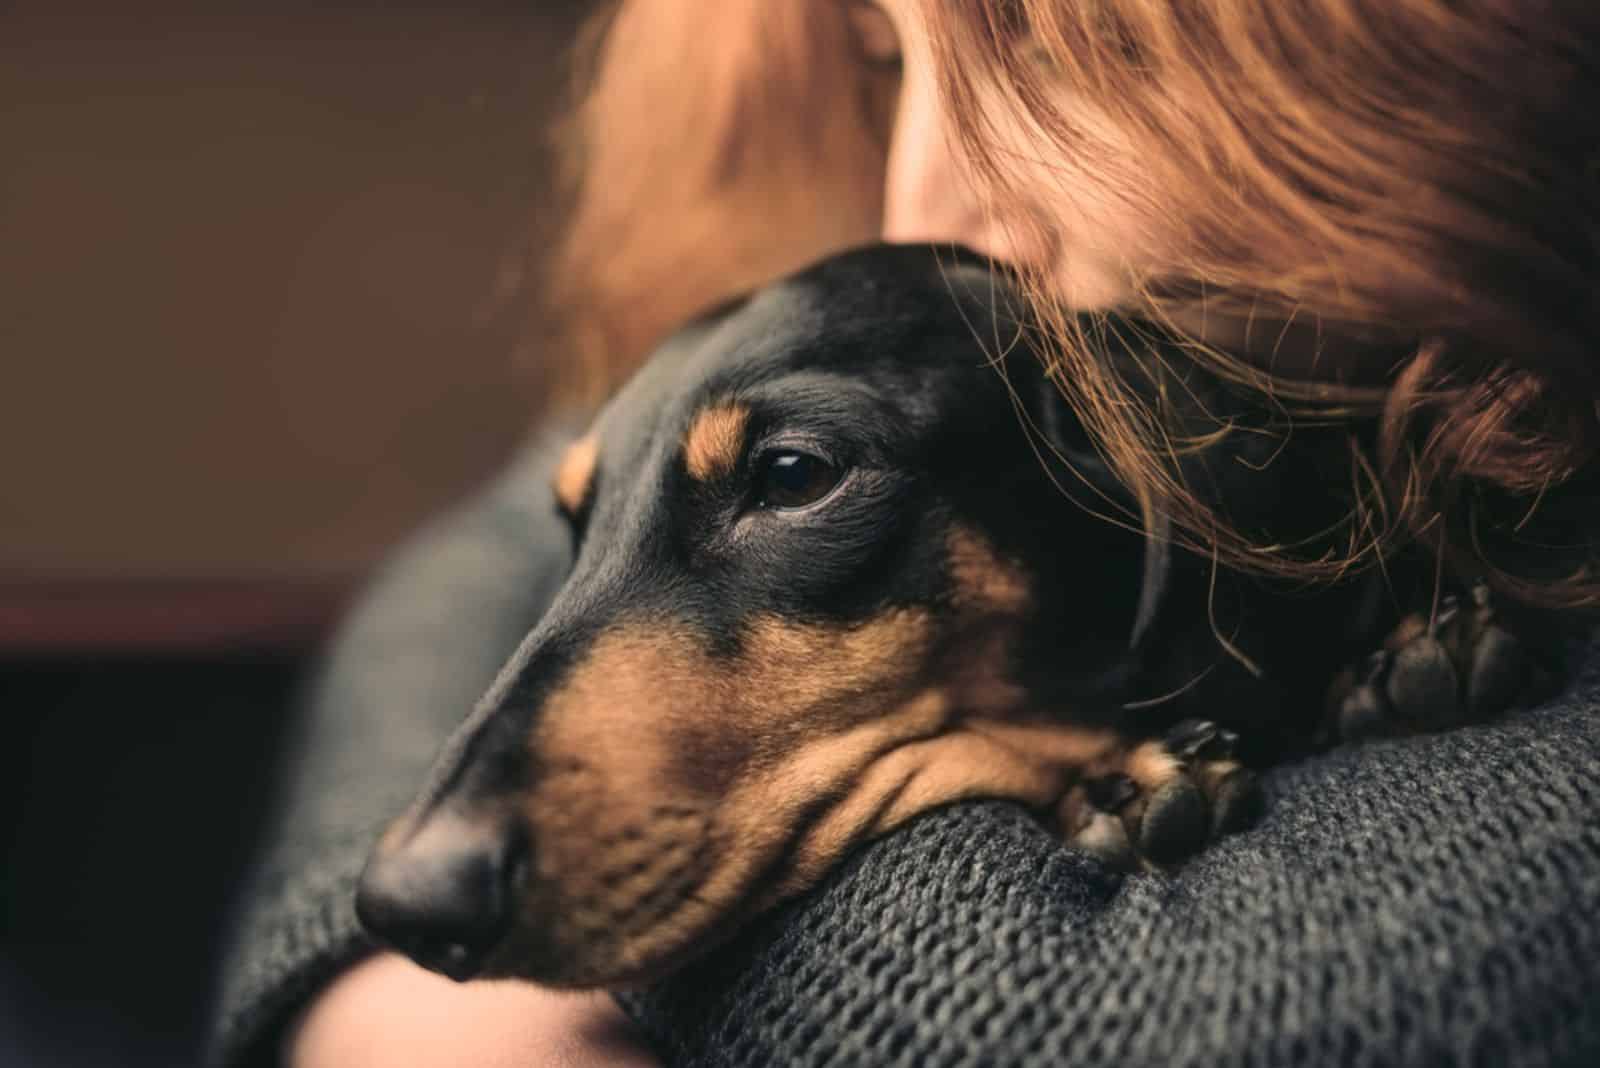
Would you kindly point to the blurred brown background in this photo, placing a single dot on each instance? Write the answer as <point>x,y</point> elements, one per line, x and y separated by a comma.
<point>254,327</point>
<point>254,320</point>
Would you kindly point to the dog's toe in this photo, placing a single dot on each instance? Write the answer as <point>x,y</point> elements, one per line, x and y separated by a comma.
<point>1177,822</point>
<point>1358,707</point>
<point>1423,685</point>
<point>1499,671</point>
<point>1236,801</point>
<point>1104,837</point>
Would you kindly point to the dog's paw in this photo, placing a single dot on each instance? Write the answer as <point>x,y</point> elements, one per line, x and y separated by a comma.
<point>1464,667</point>
<point>1165,802</point>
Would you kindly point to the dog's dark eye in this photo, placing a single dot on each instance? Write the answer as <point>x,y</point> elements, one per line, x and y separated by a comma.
<point>789,479</point>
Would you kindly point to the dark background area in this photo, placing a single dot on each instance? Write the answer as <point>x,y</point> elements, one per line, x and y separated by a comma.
<point>131,791</point>
<point>259,316</point>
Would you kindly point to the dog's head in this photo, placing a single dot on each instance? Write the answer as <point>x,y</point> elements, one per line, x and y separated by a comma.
<point>812,539</point>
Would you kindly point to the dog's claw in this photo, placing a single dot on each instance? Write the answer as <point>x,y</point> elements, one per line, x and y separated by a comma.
<point>1171,799</point>
<point>1200,738</point>
<point>1423,681</point>
<point>1464,667</point>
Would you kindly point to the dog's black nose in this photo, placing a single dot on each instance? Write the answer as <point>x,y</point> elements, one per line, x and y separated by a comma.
<point>445,891</point>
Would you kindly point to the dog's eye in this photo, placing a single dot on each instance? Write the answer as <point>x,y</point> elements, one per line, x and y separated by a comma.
<point>789,479</point>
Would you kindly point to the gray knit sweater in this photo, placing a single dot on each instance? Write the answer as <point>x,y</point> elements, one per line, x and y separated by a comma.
<point>1424,901</point>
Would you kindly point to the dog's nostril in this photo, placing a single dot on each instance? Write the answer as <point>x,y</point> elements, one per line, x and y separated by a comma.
<point>446,893</point>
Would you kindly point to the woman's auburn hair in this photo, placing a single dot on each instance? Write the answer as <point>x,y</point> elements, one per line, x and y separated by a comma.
<point>1424,170</point>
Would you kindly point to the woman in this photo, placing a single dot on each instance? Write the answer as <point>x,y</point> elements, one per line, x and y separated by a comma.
<point>1366,210</point>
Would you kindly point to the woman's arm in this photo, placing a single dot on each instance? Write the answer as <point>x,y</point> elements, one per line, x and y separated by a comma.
<point>387,1011</point>
<point>1427,900</point>
<point>421,647</point>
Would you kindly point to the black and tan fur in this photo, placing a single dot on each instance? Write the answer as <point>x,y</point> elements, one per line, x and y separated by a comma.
<point>734,689</point>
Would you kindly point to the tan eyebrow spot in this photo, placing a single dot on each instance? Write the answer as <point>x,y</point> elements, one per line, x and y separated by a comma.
<point>715,439</point>
<point>575,474</point>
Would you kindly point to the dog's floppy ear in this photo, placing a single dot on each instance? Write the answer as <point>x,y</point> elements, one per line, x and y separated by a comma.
<point>1084,474</point>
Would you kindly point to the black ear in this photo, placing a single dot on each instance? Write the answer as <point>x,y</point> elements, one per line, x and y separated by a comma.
<point>1083,472</point>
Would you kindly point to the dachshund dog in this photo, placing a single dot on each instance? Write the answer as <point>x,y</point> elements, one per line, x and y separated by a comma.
<point>839,561</point>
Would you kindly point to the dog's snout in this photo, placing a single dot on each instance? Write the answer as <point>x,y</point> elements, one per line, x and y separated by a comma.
<point>445,893</point>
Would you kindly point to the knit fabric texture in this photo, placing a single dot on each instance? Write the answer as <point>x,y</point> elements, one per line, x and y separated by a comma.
<point>1421,901</point>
